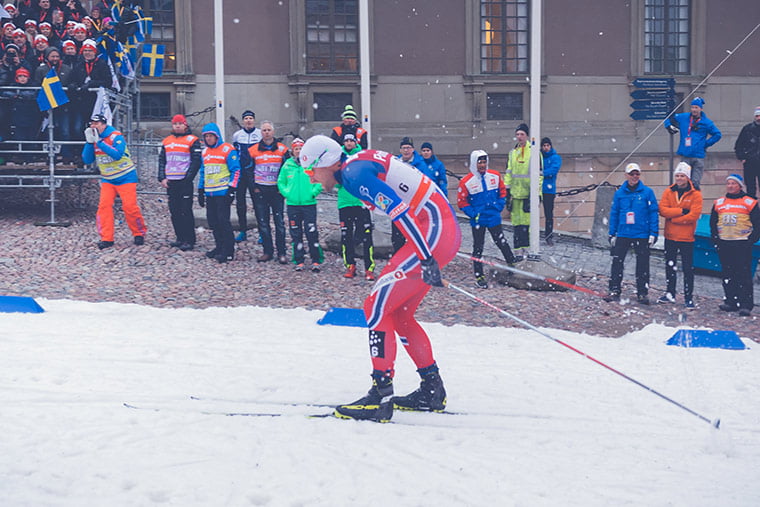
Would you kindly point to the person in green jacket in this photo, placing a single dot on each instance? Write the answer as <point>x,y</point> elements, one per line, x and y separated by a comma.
<point>355,223</point>
<point>301,199</point>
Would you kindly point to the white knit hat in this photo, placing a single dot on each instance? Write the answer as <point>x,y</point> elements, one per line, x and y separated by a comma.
<point>683,168</point>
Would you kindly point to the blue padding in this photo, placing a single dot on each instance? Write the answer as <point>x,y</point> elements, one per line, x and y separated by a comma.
<point>9,304</point>
<point>704,338</point>
<point>353,317</point>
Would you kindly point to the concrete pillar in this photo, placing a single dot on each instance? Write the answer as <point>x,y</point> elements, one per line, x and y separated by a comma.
<point>601,227</point>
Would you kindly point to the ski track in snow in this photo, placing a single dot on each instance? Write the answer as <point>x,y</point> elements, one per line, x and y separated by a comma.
<point>541,425</point>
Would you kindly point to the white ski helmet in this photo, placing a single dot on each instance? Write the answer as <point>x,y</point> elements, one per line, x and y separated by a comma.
<point>320,151</point>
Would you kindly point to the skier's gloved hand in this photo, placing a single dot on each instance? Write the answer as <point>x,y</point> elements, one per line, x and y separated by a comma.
<point>91,135</point>
<point>652,239</point>
<point>526,205</point>
<point>509,202</point>
<point>612,240</point>
<point>672,129</point>
<point>231,194</point>
<point>685,211</point>
<point>201,198</point>
<point>431,273</point>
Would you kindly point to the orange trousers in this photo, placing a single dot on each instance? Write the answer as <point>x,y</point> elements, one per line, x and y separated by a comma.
<point>128,194</point>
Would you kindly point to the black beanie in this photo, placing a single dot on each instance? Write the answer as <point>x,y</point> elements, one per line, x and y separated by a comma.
<point>546,140</point>
<point>524,128</point>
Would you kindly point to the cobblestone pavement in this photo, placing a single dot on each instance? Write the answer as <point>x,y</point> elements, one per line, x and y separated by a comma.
<point>64,263</point>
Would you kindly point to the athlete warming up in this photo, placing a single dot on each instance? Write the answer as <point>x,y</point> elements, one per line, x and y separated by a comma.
<point>423,214</point>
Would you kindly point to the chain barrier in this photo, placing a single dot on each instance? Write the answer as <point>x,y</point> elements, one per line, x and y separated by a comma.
<point>587,188</point>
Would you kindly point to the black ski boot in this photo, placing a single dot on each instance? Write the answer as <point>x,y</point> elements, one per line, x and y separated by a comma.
<point>376,406</point>
<point>430,397</point>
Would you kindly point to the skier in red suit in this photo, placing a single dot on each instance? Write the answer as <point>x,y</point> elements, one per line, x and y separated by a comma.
<point>421,211</point>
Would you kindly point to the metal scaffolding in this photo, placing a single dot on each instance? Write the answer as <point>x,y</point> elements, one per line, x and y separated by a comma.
<point>53,174</point>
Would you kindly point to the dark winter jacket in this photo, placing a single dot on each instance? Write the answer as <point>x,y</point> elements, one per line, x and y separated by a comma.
<point>641,202</point>
<point>747,146</point>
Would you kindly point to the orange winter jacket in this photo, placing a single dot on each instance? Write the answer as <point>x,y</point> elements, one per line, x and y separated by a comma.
<point>680,227</point>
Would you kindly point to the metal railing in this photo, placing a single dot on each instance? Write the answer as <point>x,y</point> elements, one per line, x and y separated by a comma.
<point>121,104</point>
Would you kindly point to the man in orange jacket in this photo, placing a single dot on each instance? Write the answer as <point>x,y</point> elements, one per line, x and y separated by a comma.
<point>681,205</point>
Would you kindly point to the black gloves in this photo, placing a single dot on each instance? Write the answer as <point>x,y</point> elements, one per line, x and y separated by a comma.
<point>672,129</point>
<point>201,198</point>
<point>685,211</point>
<point>231,191</point>
<point>526,205</point>
<point>431,273</point>
<point>509,202</point>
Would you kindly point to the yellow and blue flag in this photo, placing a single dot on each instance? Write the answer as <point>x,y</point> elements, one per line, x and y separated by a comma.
<point>51,95</point>
<point>153,59</point>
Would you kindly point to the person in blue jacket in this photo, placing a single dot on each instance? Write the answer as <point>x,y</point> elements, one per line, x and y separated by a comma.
<point>217,184</point>
<point>552,165</point>
<point>482,196</point>
<point>409,155</point>
<point>633,223</point>
<point>434,168</point>
<point>698,132</point>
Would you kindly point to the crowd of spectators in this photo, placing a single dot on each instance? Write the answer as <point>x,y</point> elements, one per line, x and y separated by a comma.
<point>42,35</point>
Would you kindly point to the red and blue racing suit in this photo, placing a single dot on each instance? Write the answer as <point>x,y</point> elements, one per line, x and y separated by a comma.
<point>422,212</point>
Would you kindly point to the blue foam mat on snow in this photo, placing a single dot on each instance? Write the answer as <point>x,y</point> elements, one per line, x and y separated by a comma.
<point>22,304</point>
<point>353,317</point>
<point>703,338</point>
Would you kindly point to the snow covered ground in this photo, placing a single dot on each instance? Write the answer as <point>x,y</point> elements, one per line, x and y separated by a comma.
<point>542,425</point>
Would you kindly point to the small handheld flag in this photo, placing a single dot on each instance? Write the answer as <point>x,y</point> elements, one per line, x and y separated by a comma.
<point>51,94</point>
<point>153,60</point>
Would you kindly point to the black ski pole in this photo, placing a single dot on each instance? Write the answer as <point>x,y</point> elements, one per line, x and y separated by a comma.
<point>714,423</point>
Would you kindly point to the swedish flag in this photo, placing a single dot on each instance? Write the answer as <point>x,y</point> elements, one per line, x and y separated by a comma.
<point>153,60</point>
<point>51,95</point>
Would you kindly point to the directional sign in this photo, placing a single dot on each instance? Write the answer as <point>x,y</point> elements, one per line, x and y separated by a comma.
<point>653,82</point>
<point>653,94</point>
<point>650,114</point>
<point>653,104</point>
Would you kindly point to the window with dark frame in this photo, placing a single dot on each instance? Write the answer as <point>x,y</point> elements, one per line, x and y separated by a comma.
<point>504,106</point>
<point>332,36</point>
<point>329,106</point>
<point>162,12</point>
<point>155,105</point>
<point>504,36</point>
<point>666,36</point>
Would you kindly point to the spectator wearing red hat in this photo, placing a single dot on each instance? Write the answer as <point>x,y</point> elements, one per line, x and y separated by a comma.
<point>24,113</point>
<point>30,28</point>
<point>89,72</point>
<point>38,51</point>
<point>19,39</point>
<point>70,56</point>
<point>46,29</point>
<point>8,28</point>
<point>178,163</point>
